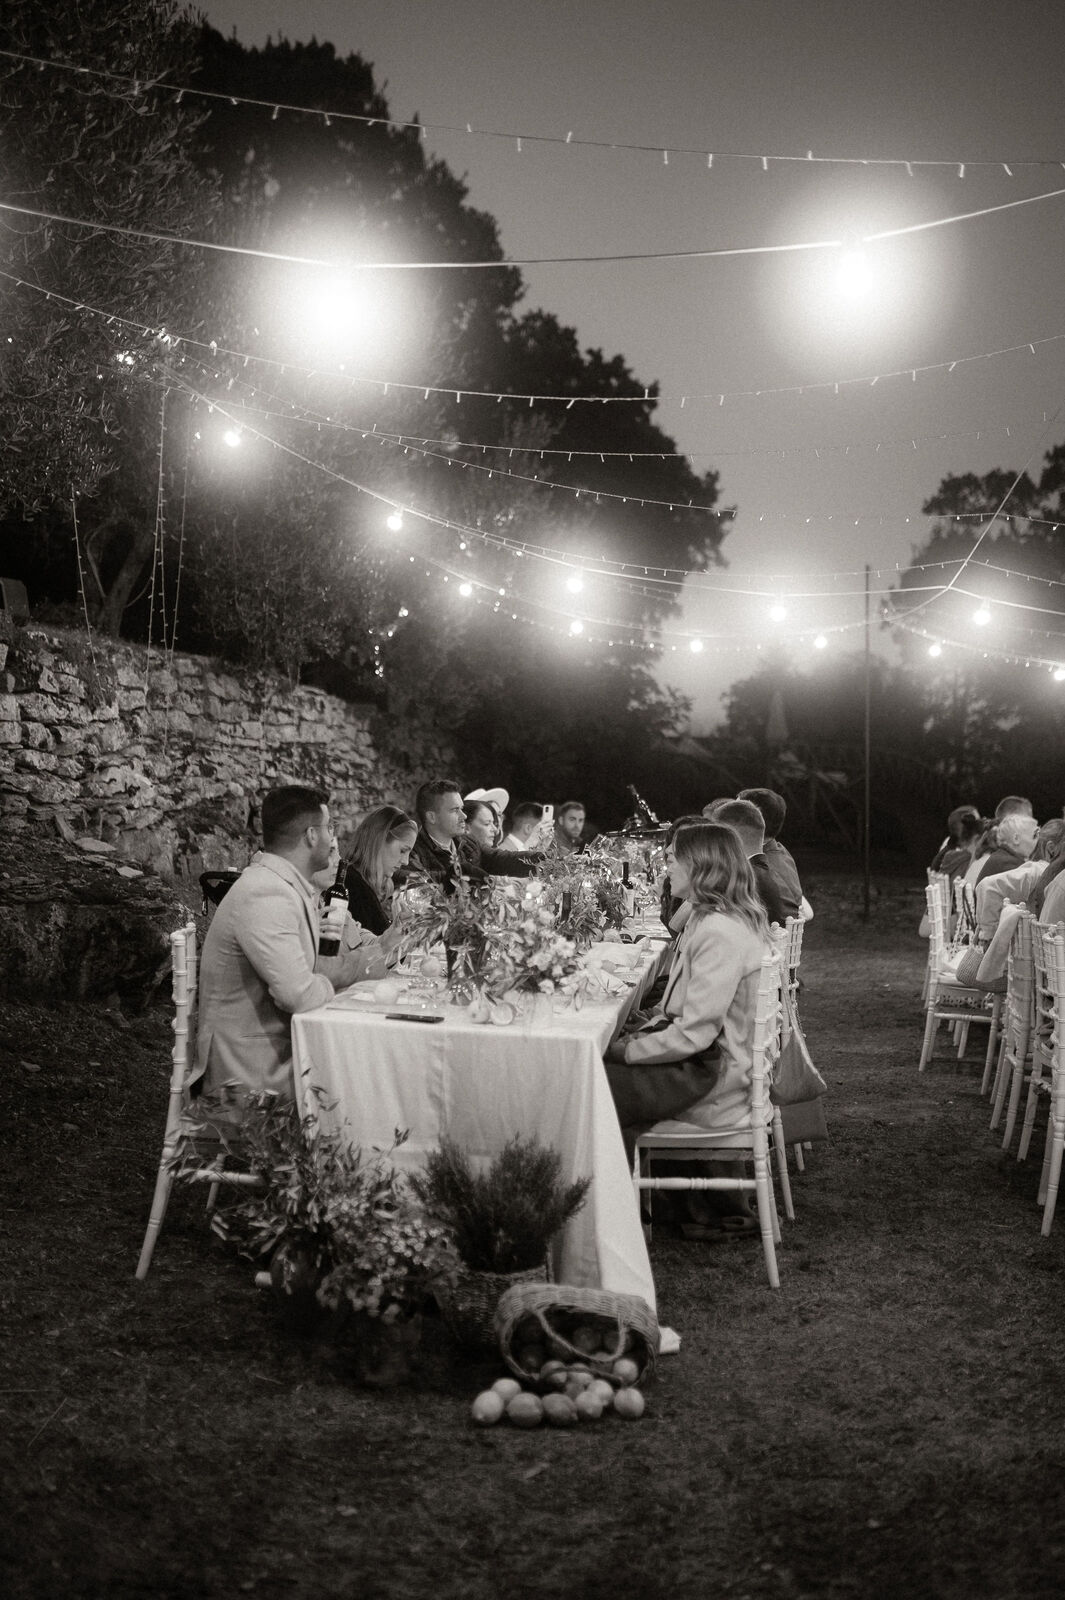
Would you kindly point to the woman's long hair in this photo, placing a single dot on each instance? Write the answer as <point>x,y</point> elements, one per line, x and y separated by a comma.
<point>379,827</point>
<point>719,873</point>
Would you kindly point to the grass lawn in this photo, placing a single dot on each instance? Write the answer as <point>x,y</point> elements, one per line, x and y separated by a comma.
<point>890,1423</point>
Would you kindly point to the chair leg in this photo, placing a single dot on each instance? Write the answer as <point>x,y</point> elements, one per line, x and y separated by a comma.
<point>1014,1102</point>
<point>766,1218</point>
<point>781,1150</point>
<point>800,1164</point>
<point>992,1041</point>
<point>1029,1116</point>
<point>963,1039</point>
<point>1052,1164</point>
<point>930,1027</point>
<point>1002,1078</point>
<point>164,1182</point>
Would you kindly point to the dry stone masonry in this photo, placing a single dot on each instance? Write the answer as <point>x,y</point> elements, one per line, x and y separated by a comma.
<point>162,760</point>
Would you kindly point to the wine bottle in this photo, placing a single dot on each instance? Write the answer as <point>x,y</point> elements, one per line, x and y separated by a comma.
<point>335,906</point>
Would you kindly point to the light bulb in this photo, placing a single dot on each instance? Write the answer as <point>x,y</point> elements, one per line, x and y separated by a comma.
<point>696,647</point>
<point>778,612</point>
<point>1059,674</point>
<point>231,437</point>
<point>935,650</point>
<point>575,583</point>
<point>576,626</point>
<point>394,521</point>
<point>982,615</point>
<point>465,590</point>
<point>820,643</point>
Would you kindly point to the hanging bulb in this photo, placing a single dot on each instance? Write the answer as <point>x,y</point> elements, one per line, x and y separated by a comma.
<point>982,616</point>
<point>778,612</point>
<point>575,583</point>
<point>696,647</point>
<point>394,521</point>
<point>576,626</point>
<point>935,650</point>
<point>465,590</point>
<point>820,643</point>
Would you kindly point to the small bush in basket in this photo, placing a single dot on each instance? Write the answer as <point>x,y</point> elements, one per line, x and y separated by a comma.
<point>502,1220</point>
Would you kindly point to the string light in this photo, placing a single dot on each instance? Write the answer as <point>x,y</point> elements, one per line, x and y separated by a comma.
<point>982,616</point>
<point>696,647</point>
<point>935,650</point>
<point>231,437</point>
<point>778,613</point>
<point>394,522</point>
<point>820,643</point>
<point>833,385</point>
<point>910,164</point>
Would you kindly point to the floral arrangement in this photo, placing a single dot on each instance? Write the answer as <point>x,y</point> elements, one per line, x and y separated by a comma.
<point>349,1227</point>
<point>525,950</point>
<point>428,916</point>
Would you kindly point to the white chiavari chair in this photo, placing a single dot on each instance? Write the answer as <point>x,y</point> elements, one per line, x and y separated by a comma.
<point>1048,945</point>
<point>1018,1023</point>
<point>184,975</point>
<point>948,1000</point>
<point>680,1141</point>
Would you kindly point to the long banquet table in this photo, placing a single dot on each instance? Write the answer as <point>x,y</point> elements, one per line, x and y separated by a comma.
<point>480,1085</point>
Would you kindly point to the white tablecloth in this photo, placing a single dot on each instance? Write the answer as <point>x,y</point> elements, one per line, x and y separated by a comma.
<point>481,1085</point>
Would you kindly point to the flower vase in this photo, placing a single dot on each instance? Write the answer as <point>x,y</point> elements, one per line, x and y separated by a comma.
<point>540,1008</point>
<point>384,1353</point>
<point>462,986</point>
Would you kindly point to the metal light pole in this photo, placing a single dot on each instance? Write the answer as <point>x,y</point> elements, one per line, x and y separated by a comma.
<point>868,775</point>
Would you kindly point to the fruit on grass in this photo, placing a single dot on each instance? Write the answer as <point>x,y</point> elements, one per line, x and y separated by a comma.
<point>507,1387</point>
<point>625,1371</point>
<point>578,1379</point>
<point>530,1358</point>
<point>559,1410</point>
<point>589,1405</point>
<point>488,1407</point>
<point>556,1382</point>
<point>628,1403</point>
<point>603,1389</point>
<point>585,1339</point>
<point>526,1410</point>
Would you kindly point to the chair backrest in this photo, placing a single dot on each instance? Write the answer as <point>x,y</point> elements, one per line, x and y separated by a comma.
<point>768,1020</point>
<point>1048,959</point>
<point>793,929</point>
<point>938,938</point>
<point>184,969</point>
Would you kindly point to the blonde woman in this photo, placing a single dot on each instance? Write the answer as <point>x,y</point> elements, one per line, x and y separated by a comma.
<point>691,1056</point>
<point>380,847</point>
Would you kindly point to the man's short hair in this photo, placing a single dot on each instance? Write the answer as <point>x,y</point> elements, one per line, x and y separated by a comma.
<point>1013,805</point>
<point>772,806</point>
<point>1050,837</point>
<point>288,810</point>
<point>429,793</point>
<point>527,811</point>
<point>739,814</point>
<point>570,805</point>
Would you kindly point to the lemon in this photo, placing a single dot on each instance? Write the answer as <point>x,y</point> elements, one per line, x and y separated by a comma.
<point>488,1408</point>
<point>625,1371</point>
<point>628,1403</point>
<point>559,1410</point>
<point>431,967</point>
<point>526,1410</point>
<point>589,1406</point>
<point>506,1388</point>
<point>603,1390</point>
<point>531,1357</point>
<point>585,1338</point>
<point>502,1013</point>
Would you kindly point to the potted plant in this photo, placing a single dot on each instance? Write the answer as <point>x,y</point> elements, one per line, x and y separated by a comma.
<point>501,1221</point>
<point>339,1229</point>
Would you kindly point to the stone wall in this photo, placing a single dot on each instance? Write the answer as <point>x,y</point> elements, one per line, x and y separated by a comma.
<point>164,759</point>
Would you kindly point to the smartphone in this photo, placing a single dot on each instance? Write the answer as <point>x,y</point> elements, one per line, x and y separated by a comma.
<point>410,1016</point>
<point>549,814</point>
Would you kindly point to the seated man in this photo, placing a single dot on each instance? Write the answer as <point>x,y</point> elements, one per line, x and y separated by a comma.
<point>569,825</point>
<point>779,859</point>
<point>525,822</point>
<point>1016,884</point>
<point>1014,841</point>
<point>441,823</point>
<point>747,821</point>
<point>260,961</point>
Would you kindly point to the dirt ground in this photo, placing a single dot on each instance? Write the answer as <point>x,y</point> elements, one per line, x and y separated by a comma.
<point>889,1423</point>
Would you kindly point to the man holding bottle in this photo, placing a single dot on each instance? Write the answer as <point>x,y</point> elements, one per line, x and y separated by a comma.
<point>260,961</point>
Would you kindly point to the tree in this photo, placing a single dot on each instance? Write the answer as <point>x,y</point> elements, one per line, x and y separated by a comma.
<point>75,388</point>
<point>992,721</point>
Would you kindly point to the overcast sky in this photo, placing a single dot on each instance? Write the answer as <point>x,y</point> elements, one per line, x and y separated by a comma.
<point>824,481</point>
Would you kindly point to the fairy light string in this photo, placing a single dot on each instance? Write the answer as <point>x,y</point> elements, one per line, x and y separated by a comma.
<point>762,159</point>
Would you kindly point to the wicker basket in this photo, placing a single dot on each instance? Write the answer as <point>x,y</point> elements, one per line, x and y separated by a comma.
<point>628,1323</point>
<point>468,1307</point>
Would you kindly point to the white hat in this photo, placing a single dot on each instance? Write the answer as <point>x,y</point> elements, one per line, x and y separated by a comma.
<point>492,797</point>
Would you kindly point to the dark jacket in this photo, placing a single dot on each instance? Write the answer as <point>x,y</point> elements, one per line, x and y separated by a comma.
<point>477,861</point>
<point>766,885</point>
<point>364,903</point>
<point>441,863</point>
<point>785,873</point>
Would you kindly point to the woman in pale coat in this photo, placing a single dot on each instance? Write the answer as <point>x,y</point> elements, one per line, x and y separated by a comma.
<point>691,1057</point>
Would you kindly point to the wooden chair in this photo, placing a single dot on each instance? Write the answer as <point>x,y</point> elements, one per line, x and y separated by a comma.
<point>184,973</point>
<point>1048,948</point>
<point>688,1142</point>
<point>1019,1022</point>
<point>948,1000</point>
<point>793,931</point>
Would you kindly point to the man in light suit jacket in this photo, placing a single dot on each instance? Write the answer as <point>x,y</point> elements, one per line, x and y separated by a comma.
<point>260,961</point>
